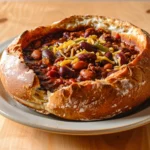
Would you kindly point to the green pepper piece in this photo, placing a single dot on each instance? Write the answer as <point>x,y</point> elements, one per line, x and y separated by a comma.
<point>101,47</point>
<point>50,48</point>
<point>79,40</point>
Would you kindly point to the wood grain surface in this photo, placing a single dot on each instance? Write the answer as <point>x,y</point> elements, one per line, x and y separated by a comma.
<point>15,17</point>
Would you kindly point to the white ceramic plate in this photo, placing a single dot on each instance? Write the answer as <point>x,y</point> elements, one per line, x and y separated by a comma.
<point>19,113</point>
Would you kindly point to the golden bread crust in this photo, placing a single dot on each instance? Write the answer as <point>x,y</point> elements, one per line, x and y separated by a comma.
<point>87,100</point>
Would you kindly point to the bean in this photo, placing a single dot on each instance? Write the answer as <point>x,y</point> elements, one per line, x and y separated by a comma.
<point>59,59</point>
<point>88,47</point>
<point>36,54</point>
<point>48,54</point>
<point>54,68</point>
<point>108,66</point>
<point>89,32</point>
<point>45,61</point>
<point>108,55</point>
<point>89,57</point>
<point>117,36</point>
<point>87,74</point>
<point>53,74</point>
<point>79,65</point>
<point>122,58</point>
<point>66,72</point>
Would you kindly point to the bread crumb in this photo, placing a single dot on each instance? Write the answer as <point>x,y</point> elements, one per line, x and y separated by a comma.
<point>75,106</point>
<point>126,87</point>
<point>81,110</point>
<point>114,105</point>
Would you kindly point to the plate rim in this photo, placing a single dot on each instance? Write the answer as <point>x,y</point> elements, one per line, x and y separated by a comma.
<point>64,131</point>
<point>61,130</point>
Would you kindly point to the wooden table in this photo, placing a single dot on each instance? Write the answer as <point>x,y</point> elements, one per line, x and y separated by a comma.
<point>15,17</point>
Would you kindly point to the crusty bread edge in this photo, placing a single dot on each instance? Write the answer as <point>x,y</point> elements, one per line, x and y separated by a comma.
<point>87,100</point>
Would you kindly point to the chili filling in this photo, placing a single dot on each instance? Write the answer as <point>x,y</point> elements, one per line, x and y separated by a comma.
<point>65,57</point>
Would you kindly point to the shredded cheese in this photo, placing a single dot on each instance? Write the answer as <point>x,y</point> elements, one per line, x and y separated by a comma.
<point>90,40</point>
<point>100,58</point>
<point>70,46</point>
<point>75,60</point>
<point>102,41</point>
<point>64,62</point>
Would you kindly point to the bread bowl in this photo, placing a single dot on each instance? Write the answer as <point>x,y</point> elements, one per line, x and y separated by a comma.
<point>80,68</point>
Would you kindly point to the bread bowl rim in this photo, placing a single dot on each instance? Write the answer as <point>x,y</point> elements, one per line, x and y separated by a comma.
<point>17,46</point>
